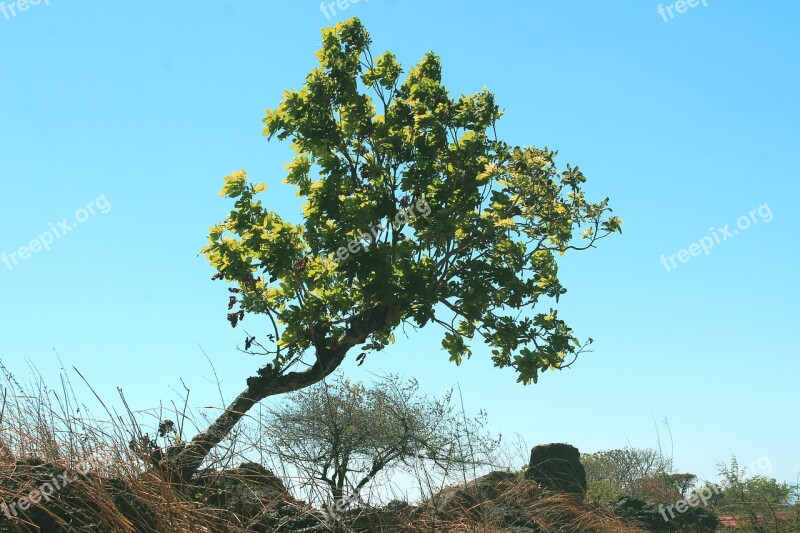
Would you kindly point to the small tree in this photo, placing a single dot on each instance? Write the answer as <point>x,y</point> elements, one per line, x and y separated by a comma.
<point>682,483</point>
<point>757,503</point>
<point>343,434</point>
<point>415,213</point>
<point>642,473</point>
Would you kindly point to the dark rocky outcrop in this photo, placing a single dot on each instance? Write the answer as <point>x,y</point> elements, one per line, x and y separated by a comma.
<point>71,502</point>
<point>652,516</point>
<point>557,468</point>
<point>258,499</point>
<point>483,489</point>
<point>249,497</point>
<point>497,496</point>
<point>252,498</point>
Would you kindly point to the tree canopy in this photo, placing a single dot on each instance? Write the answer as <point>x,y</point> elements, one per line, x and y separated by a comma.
<point>369,145</point>
<point>473,226</point>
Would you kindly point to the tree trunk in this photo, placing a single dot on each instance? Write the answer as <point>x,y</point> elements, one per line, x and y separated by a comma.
<point>184,462</point>
<point>189,458</point>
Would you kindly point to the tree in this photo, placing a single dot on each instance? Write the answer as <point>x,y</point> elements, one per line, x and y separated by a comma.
<point>683,483</point>
<point>343,434</point>
<point>469,229</point>
<point>642,473</point>
<point>757,503</point>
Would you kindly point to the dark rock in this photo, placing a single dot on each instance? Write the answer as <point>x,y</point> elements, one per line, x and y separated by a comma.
<point>652,516</point>
<point>483,489</point>
<point>249,496</point>
<point>258,499</point>
<point>241,490</point>
<point>557,468</point>
<point>397,505</point>
<point>69,505</point>
<point>490,497</point>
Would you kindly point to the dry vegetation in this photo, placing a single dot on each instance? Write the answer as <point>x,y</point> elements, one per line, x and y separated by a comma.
<point>47,436</point>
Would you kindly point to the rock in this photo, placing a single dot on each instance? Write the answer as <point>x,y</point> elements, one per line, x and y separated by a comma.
<point>651,515</point>
<point>259,499</point>
<point>481,490</point>
<point>242,491</point>
<point>496,497</point>
<point>397,505</point>
<point>557,467</point>
<point>71,499</point>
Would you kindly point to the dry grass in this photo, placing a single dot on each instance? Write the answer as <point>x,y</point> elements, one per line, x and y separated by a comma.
<point>519,502</point>
<point>45,433</point>
<point>497,503</point>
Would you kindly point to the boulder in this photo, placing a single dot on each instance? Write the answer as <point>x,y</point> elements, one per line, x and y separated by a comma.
<point>557,468</point>
<point>258,498</point>
<point>652,516</point>
<point>497,497</point>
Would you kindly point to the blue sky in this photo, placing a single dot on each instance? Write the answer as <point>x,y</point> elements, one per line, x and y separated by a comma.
<point>686,124</point>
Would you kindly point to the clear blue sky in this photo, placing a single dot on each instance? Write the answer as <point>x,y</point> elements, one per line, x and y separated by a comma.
<point>687,124</point>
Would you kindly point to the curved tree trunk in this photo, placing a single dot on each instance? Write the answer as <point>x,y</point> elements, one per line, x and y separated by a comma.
<point>185,461</point>
<point>189,458</point>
